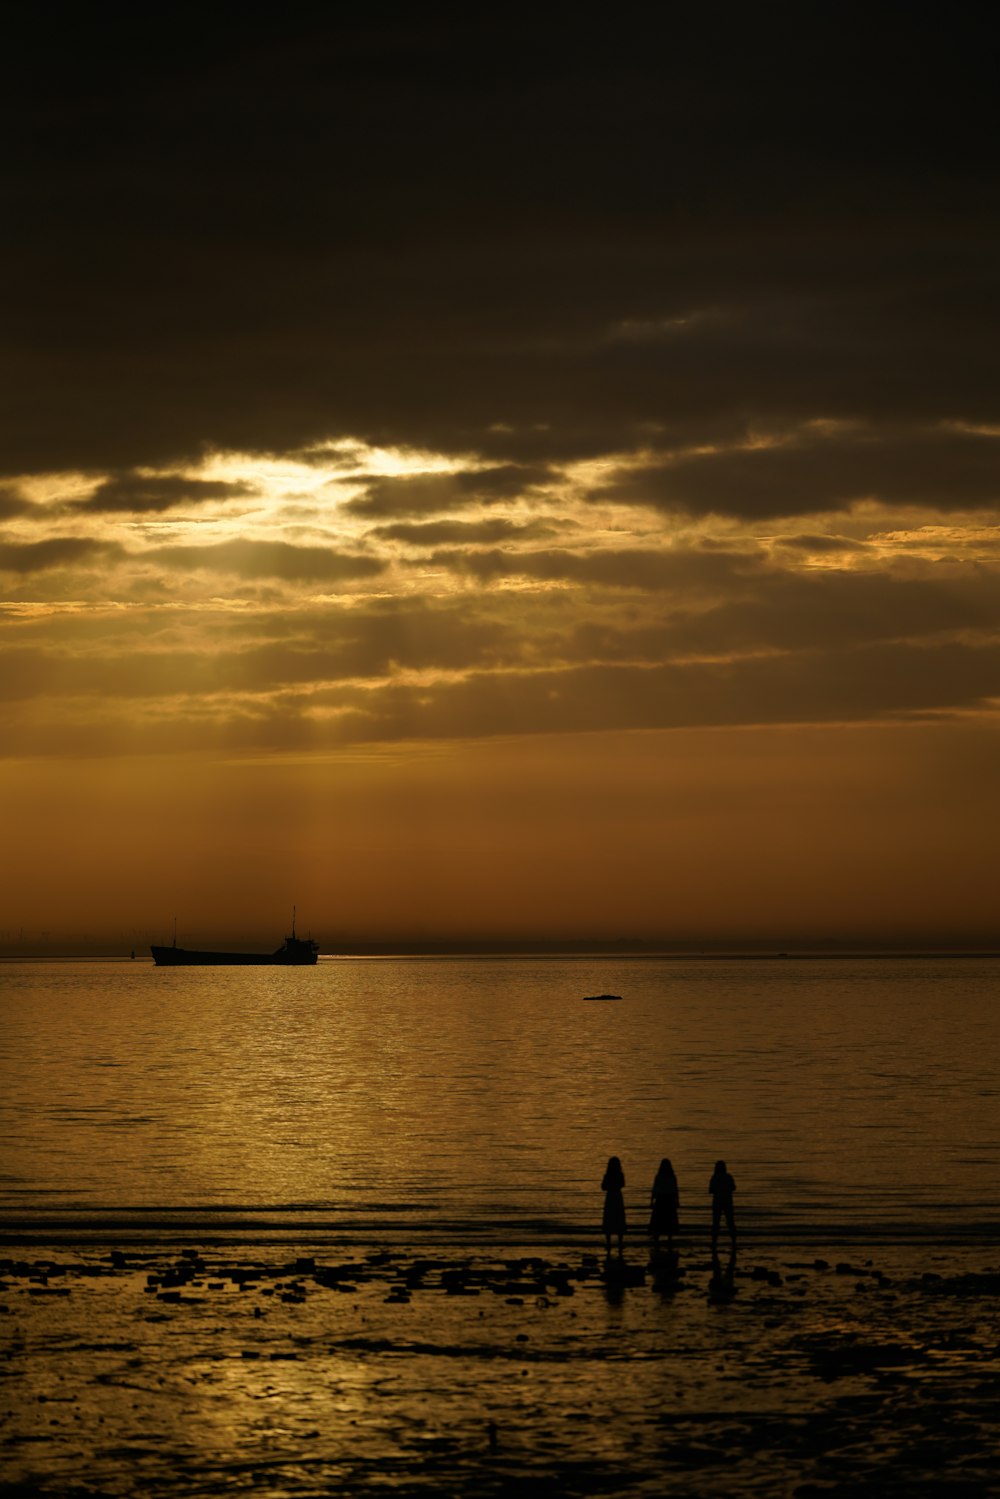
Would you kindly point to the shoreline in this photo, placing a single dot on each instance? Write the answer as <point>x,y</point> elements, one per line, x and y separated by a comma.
<point>387,1228</point>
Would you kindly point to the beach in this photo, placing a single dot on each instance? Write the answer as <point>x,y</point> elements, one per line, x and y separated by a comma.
<point>173,1368</point>
<point>339,1231</point>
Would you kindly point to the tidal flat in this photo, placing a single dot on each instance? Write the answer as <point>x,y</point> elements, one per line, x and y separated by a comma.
<point>221,1369</point>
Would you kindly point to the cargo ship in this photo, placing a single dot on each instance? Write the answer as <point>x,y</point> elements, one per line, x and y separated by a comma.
<point>293,951</point>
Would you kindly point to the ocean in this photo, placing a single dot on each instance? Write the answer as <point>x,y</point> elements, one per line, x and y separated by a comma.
<point>484,1095</point>
<point>337,1229</point>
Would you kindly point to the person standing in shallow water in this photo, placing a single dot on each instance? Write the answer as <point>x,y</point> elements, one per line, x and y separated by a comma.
<point>665,1203</point>
<point>722,1188</point>
<point>613,1221</point>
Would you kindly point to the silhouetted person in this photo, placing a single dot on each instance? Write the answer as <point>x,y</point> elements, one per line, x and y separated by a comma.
<point>722,1188</point>
<point>665,1203</point>
<point>613,1221</point>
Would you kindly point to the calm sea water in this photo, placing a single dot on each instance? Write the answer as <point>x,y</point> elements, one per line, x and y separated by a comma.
<point>482,1095</point>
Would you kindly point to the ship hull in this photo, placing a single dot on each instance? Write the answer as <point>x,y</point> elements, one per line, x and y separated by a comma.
<point>302,954</point>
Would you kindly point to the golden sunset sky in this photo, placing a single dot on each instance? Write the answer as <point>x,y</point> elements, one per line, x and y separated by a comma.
<point>481,479</point>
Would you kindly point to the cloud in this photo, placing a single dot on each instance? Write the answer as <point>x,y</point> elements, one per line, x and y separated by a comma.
<point>647,568</point>
<point>937,469</point>
<point>885,682</point>
<point>784,612</point>
<point>12,503</point>
<point>269,559</point>
<point>464,533</point>
<point>808,687</point>
<point>145,494</point>
<point>420,494</point>
<point>709,614</point>
<point>55,551</point>
<point>816,542</point>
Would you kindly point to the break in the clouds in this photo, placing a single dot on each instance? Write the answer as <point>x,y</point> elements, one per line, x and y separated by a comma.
<point>410,375</point>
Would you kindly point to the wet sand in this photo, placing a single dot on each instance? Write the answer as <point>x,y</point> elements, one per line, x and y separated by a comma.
<point>206,1369</point>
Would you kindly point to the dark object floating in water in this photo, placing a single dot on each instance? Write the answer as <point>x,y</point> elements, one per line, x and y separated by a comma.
<point>293,952</point>
<point>595,998</point>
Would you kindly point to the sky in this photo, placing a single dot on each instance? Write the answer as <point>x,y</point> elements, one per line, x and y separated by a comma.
<point>498,476</point>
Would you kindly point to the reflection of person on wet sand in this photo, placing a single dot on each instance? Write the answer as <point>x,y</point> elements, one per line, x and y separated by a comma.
<point>665,1202</point>
<point>613,1221</point>
<point>722,1188</point>
<point>722,1286</point>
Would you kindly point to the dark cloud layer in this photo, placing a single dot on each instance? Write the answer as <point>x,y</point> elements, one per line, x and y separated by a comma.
<point>524,236</point>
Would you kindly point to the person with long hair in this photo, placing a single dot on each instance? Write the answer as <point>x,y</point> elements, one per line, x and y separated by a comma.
<point>613,1221</point>
<point>665,1202</point>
